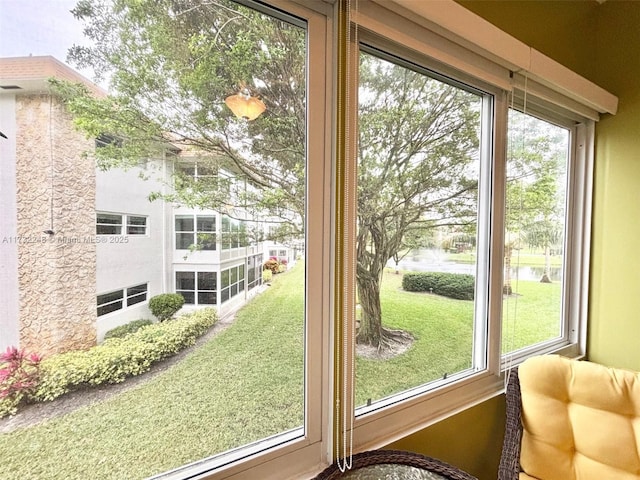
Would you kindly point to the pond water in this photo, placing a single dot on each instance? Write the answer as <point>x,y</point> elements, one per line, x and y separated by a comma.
<point>432,260</point>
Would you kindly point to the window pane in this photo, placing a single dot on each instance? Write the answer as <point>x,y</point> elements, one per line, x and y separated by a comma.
<point>136,294</point>
<point>109,297</point>
<point>184,241</point>
<point>105,218</point>
<point>189,297</point>
<point>206,224</point>
<point>184,224</point>
<point>206,281</point>
<point>141,297</point>
<point>207,241</point>
<point>131,220</point>
<point>136,225</point>
<point>108,308</point>
<point>168,70</point>
<point>418,171</point>
<point>534,238</point>
<point>206,298</point>
<point>185,281</point>
<point>108,224</point>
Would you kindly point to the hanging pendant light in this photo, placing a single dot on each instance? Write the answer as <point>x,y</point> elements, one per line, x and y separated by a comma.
<point>243,105</point>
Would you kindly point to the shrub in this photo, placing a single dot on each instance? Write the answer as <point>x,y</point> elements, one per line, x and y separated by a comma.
<point>19,376</point>
<point>272,264</point>
<point>453,285</point>
<point>119,358</point>
<point>165,305</point>
<point>126,329</point>
<point>267,275</point>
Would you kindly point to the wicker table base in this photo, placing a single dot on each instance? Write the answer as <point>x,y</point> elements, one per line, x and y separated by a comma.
<point>395,465</point>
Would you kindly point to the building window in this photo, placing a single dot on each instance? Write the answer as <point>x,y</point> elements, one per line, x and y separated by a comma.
<point>254,271</point>
<point>137,294</point>
<point>195,232</point>
<point>116,224</point>
<point>197,170</point>
<point>110,302</point>
<point>108,224</point>
<point>419,191</point>
<point>136,225</point>
<point>197,288</point>
<point>115,300</point>
<point>234,233</point>
<point>231,282</point>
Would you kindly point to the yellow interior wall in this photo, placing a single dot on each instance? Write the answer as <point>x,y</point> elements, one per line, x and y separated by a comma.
<point>471,440</point>
<point>601,42</point>
<point>614,320</point>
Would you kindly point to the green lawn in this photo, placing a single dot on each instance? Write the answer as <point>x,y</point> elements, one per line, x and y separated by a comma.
<point>246,384</point>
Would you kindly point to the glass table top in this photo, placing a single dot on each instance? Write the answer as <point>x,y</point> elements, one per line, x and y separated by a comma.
<point>390,471</point>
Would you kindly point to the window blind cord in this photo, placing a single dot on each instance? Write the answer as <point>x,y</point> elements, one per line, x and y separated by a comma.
<point>511,323</point>
<point>348,325</point>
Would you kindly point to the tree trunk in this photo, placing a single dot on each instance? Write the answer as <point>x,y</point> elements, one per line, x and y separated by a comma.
<point>370,332</point>
<point>506,289</point>
<point>546,275</point>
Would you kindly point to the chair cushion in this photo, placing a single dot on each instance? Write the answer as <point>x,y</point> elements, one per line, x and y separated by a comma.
<point>581,420</point>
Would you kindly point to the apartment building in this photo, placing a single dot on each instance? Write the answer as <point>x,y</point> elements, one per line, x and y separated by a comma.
<point>83,249</point>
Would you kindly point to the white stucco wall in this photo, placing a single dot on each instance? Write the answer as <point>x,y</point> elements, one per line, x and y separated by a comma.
<point>9,308</point>
<point>128,260</point>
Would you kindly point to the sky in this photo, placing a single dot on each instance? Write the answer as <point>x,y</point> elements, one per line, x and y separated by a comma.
<point>39,27</point>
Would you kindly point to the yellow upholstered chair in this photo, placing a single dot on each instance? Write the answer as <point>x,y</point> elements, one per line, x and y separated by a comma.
<point>571,420</point>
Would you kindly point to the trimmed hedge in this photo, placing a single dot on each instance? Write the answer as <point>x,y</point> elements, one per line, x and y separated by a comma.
<point>119,358</point>
<point>165,305</point>
<point>127,328</point>
<point>460,286</point>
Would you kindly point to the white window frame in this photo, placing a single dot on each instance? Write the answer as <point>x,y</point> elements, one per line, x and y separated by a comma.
<point>122,228</point>
<point>117,226</point>
<point>196,290</point>
<point>131,227</point>
<point>299,453</point>
<point>422,407</point>
<point>132,294</point>
<point>125,296</point>
<point>119,300</point>
<point>194,232</point>
<point>417,408</point>
<point>239,284</point>
<point>293,456</point>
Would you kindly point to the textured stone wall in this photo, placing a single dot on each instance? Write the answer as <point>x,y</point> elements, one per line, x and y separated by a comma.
<point>56,190</point>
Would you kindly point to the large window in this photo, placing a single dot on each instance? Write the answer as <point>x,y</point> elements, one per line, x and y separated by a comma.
<point>195,232</point>
<point>234,233</point>
<point>120,224</point>
<point>197,288</point>
<point>254,271</point>
<point>535,225</point>
<point>420,175</point>
<point>123,298</point>
<point>438,204</point>
<point>231,283</point>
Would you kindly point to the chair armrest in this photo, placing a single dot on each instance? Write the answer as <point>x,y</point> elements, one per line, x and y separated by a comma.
<point>509,468</point>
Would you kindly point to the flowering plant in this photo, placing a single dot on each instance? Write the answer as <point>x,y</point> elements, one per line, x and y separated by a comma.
<point>19,376</point>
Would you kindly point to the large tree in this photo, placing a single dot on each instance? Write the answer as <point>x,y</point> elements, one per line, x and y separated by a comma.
<point>417,169</point>
<point>171,63</point>
<point>536,171</point>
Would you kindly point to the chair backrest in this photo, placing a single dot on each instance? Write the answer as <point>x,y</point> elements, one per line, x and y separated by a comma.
<point>580,420</point>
